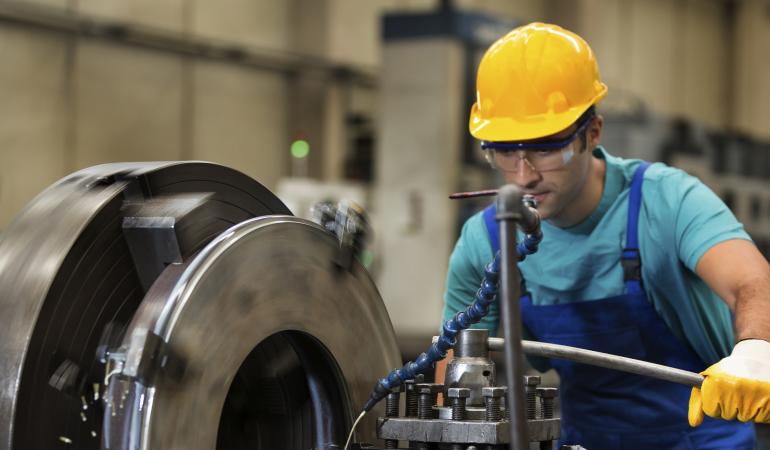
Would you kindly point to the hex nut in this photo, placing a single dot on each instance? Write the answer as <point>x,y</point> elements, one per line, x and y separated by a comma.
<point>531,380</point>
<point>548,392</point>
<point>458,393</point>
<point>493,391</point>
<point>430,388</point>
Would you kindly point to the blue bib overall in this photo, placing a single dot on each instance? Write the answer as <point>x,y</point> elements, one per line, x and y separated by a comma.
<point>604,409</point>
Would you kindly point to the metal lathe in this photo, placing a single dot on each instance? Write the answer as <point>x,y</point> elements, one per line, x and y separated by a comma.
<point>180,305</point>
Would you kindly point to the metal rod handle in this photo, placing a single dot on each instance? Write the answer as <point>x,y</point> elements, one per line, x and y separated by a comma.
<point>606,360</point>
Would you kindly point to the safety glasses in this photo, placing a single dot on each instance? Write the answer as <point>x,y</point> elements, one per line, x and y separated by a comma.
<point>540,156</point>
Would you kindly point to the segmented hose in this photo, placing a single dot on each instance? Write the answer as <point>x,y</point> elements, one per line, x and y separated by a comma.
<point>461,321</point>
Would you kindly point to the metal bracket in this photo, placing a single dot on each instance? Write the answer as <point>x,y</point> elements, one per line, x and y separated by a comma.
<point>150,357</point>
<point>150,228</point>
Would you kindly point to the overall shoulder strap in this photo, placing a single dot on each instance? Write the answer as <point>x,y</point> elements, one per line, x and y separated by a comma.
<point>631,258</point>
<point>493,228</point>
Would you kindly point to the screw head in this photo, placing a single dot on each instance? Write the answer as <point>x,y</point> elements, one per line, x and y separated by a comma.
<point>429,388</point>
<point>548,392</point>
<point>409,385</point>
<point>493,391</point>
<point>458,392</point>
<point>531,380</point>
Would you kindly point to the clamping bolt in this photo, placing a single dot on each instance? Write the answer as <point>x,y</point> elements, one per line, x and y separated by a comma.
<point>493,399</point>
<point>457,400</point>
<point>391,410</point>
<point>428,393</point>
<point>392,403</point>
<point>410,386</point>
<point>530,391</point>
<point>547,396</point>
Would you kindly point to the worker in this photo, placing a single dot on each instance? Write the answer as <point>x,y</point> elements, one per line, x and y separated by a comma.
<point>639,260</point>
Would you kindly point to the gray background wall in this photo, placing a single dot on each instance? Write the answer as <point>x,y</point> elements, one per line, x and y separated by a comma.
<point>71,101</point>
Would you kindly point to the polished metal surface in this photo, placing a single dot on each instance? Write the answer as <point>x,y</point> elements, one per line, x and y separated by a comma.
<point>66,272</point>
<point>472,343</point>
<point>260,279</point>
<point>471,367</point>
<point>473,373</point>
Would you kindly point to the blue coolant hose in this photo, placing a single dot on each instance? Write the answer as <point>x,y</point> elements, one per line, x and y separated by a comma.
<point>461,321</point>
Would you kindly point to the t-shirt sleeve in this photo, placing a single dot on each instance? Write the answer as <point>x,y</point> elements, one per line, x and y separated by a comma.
<point>466,270</point>
<point>701,218</point>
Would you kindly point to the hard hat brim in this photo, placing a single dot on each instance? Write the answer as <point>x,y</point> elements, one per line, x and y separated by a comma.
<point>507,129</point>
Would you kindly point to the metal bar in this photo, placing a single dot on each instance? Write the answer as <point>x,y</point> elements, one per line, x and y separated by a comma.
<point>509,213</point>
<point>471,194</point>
<point>605,360</point>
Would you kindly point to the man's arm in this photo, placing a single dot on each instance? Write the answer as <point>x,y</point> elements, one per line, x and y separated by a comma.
<point>740,275</point>
<point>738,387</point>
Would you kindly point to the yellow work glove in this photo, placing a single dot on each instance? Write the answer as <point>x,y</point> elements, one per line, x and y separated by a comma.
<point>736,387</point>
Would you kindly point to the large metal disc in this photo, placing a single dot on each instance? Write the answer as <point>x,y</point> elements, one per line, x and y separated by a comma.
<point>259,330</point>
<point>67,270</point>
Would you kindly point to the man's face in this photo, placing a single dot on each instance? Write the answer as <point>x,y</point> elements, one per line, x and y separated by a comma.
<point>556,190</point>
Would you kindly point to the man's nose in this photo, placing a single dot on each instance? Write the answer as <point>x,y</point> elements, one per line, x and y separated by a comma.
<point>525,176</point>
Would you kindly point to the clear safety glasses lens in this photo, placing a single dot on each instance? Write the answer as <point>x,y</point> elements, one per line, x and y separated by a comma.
<point>537,160</point>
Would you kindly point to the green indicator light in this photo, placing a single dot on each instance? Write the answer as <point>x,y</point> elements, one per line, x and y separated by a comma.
<point>300,148</point>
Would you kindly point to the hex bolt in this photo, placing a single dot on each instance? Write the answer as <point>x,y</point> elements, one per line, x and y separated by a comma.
<point>493,398</point>
<point>428,393</point>
<point>457,398</point>
<point>427,396</point>
<point>410,409</point>
<point>391,410</point>
<point>530,391</point>
<point>392,403</point>
<point>547,396</point>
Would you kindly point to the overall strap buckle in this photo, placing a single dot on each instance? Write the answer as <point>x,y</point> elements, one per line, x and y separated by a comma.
<point>631,262</point>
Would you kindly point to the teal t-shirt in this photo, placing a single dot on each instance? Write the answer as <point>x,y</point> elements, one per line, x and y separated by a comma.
<point>680,219</point>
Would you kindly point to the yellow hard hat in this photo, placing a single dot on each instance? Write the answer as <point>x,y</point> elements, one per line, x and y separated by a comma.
<point>533,82</point>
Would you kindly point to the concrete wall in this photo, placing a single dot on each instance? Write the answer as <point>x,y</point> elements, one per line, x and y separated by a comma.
<point>83,101</point>
<point>34,140</point>
<point>418,165</point>
<point>71,102</point>
<point>750,82</point>
<point>672,55</point>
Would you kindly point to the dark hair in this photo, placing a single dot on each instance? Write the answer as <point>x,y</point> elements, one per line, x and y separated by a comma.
<point>586,116</point>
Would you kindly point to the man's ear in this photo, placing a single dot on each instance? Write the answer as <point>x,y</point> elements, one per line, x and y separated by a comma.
<point>594,135</point>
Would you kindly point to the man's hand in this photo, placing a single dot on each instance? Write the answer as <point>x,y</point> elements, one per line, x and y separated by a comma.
<point>736,387</point>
